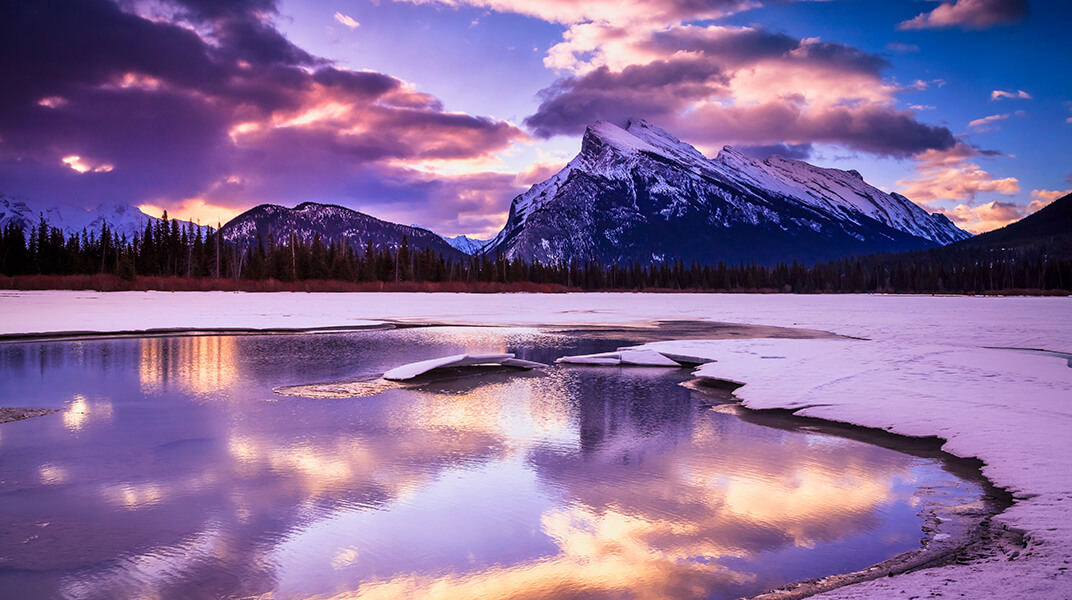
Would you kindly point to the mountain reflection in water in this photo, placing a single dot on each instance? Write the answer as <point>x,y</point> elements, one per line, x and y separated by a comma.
<point>175,472</point>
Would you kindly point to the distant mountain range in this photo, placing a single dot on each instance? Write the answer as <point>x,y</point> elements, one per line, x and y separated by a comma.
<point>466,244</point>
<point>124,219</point>
<point>333,224</point>
<point>639,194</point>
<point>633,193</point>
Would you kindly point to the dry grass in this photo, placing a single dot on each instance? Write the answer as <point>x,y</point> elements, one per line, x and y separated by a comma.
<point>111,283</point>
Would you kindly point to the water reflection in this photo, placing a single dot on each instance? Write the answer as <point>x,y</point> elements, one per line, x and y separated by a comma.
<point>578,483</point>
<point>199,365</point>
<point>80,411</point>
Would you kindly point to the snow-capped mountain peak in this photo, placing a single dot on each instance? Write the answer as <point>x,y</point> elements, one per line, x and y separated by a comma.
<point>466,244</point>
<point>629,188</point>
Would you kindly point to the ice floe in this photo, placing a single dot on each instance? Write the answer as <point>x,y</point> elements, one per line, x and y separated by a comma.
<point>633,357</point>
<point>417,369</point>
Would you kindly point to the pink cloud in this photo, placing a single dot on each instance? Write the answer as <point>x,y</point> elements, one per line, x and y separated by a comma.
<point>1020,94</point>
<point>610,11</point>
<point>986,217</point>
<point>949,175</point>
<point>969,14</point>
<point>996,214</point>
<point>1042,198</point>
<point>988,123</point>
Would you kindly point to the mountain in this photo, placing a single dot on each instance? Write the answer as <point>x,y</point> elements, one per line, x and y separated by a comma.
<point>1050,225</point>
<point>465,244</point>
<point>638,193</point>
<point>123,219</point>
<point>17,212</point>
<point>333,223</point>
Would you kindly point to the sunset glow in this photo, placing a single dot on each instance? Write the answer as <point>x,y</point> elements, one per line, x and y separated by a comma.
<point>322,100</point>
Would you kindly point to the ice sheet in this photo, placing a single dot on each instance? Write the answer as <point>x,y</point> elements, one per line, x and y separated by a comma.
<point>923,366</point>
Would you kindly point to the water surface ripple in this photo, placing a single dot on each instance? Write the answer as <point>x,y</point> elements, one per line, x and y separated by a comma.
<point>174,471</point>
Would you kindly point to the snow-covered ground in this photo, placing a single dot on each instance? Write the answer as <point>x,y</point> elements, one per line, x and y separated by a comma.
<point>924,366</point>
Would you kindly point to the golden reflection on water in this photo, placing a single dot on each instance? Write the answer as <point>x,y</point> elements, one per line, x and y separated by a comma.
<point>511,410</point>
<point>52,474</point>
<point>601,554</point>
<point>80,410</point>
<point>331,466</point>
<point>196,364</point>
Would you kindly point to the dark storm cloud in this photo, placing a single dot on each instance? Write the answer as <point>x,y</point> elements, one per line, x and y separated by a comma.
<point>875,129</point>
<point>969,14</point>
<point>217,9</point>
<point>357,83</point>
<point>793,151</point>
<point>652,90</point>
<point>54,46</point>
<point>840,57</point>
<point>733,48</point>
<point>159,111</point>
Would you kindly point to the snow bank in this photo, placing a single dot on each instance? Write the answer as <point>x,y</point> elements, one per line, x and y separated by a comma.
<point>1010,408</point>
<point>922,366</point>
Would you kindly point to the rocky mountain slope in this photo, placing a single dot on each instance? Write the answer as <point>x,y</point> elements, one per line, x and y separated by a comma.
<point>333,223</point>
<point>639,194</point>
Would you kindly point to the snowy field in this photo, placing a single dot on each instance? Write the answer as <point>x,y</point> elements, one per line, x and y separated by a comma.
<point>951,367</point>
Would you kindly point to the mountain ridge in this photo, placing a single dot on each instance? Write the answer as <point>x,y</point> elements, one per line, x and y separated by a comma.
<point>637,193</point>
<point>333,223</point>
<point>122,219</point>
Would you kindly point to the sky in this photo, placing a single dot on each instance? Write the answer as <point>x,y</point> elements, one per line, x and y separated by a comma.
<point>438,112</point>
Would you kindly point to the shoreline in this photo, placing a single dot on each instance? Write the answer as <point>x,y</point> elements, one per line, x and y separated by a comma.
<point>913,366</point>
<point>949,535</point>
<point>13,414</point>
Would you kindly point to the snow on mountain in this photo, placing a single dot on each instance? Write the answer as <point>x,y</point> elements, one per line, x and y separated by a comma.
<point>332,223</point>
<point>639,193</point>
<point>834,190</point>
<point>466,244</point>
<point>17,212</point>
<point>124,219</point>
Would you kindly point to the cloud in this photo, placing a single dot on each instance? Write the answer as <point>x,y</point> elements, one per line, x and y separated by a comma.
<point>213,105</point>
<point>346,20</point>
<point>868,128</point>
<point>969,14</point>
<point>739,85</point>
<point>986,123</point>
<point>996,214</point>
<point>902,48</point>
<point>608,11</point>
<point>986,217</point>
<point>793,151</point>
<point>656,89</point>
<point>1041,198</point>
<point>999,94</point>
<point>949,175</point>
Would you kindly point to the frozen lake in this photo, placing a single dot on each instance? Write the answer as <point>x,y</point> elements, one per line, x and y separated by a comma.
<point>174,471</point>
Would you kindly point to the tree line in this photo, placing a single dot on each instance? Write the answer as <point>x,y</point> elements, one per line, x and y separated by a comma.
<point>170,248</point>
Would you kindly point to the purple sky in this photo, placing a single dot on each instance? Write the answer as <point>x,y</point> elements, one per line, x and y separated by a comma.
<point>438,112</point>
